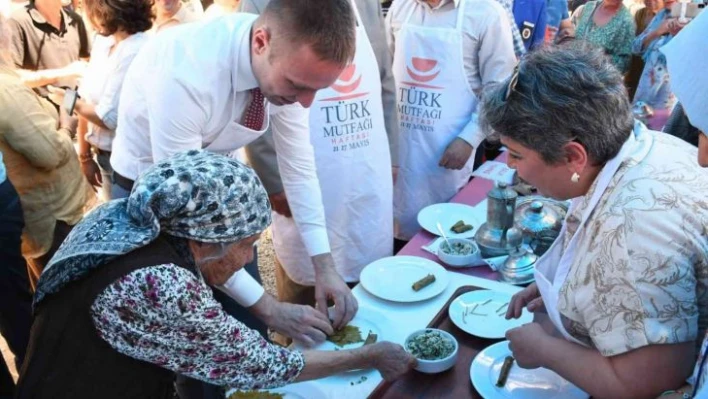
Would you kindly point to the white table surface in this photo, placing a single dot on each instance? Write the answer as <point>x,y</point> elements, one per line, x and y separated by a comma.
<point>406,317</point>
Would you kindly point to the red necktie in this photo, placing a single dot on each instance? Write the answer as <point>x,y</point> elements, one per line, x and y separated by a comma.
<point>253,118</point>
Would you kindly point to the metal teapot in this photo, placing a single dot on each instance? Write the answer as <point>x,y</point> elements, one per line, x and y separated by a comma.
<point>491,236</point>
<point>518,268</point>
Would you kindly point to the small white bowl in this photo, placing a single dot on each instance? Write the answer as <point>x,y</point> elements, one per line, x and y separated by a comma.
<point>435,366</point>
<point>459,260</point>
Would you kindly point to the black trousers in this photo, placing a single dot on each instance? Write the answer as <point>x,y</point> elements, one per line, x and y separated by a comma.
<point>188,388</point>
<point>15,294</point>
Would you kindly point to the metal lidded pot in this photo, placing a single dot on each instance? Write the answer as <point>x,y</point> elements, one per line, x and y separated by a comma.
<point>538,215</point>
<point>491,236</point>
<point>518,268</point>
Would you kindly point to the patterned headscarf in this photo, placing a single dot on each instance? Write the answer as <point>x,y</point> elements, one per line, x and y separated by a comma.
<point>195,195</point>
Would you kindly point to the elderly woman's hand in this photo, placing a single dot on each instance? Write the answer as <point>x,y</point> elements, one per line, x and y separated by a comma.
<point>391,360</point>
<point>529,298</point>
<point>456,155</point>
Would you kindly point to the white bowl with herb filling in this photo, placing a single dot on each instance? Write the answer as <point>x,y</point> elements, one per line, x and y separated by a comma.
<point>436,350</point>
<point>464,252</point>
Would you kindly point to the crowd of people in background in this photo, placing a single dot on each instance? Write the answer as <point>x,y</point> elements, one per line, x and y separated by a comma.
<point>161,85</point>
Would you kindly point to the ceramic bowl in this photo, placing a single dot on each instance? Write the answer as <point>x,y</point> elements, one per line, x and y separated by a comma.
<point>459,260</point>
<point>435,366</point>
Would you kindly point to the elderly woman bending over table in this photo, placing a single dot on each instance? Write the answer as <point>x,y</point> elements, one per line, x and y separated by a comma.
<point>621,295</point>
<point>124,303</point>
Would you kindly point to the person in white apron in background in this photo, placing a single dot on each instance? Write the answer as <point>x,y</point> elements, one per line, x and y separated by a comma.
<point>444,53</point>
<point>349,136</point>
<point>689,83</point>
<point>621,296</point>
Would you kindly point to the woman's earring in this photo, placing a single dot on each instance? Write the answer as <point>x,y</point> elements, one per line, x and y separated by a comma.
<point>575,178</point>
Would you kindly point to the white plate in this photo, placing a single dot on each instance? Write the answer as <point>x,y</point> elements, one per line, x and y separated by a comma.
<point>491,325</point>
<point>367,319</point>
<point>522,384</point>
<point>301,390</point>
<point>392,278</point>
<point>447,214</point>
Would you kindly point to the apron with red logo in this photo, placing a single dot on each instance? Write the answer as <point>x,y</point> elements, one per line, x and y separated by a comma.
<point>435,102</point>
<point>353,162</point>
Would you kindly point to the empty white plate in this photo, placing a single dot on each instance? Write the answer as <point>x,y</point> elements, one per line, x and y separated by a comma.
<point>447,214</point>
<point>539,383</point>
<point>392,278</point>
<point>301,390</point>
<point>480,313</point>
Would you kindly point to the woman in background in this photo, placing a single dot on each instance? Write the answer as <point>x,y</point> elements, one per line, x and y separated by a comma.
<point>607,24</point>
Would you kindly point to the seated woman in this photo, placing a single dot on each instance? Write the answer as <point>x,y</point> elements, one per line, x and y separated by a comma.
<point>124,303</point>
<point>625,283</point>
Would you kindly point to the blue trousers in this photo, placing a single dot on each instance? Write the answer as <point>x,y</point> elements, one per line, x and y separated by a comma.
<point>15,294</point>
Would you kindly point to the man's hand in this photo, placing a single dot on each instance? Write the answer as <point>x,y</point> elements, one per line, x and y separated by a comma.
<point>279,203</point>
<point>67,122</point>
<point>330,286</point>
<point>92,172</point>
<point>301,323</point>
<point>528,345</point>
<point>456,155</point>
<point>394,173</point>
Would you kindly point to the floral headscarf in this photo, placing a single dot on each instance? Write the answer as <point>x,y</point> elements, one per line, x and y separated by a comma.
<point>195,195</point>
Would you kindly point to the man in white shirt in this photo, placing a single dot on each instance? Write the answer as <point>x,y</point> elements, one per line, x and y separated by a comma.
<point>351,138</point>
<point>444,53</point>
<point>181,94</point>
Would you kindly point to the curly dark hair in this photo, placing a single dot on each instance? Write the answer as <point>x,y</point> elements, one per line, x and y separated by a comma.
<point>110,16</point>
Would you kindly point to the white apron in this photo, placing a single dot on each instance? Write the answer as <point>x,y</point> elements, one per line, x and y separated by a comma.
<point>553,267</point>
<point>353,162</point>
<point>435,102</point>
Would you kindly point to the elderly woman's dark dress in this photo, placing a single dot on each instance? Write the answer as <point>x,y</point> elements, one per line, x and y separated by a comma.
<point>122,306</point>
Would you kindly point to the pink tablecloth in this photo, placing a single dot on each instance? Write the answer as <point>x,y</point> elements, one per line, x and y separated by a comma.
<point>472,194</point>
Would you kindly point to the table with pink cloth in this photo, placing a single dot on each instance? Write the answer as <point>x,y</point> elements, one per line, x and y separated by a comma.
<point>472,194</point>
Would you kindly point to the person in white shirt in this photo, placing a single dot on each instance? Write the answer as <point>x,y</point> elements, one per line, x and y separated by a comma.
<point>120,25</point>
<point>221,7</point>
<point>180,94</point>
<point>351,141</point>
<point>444,53</point>
<point>169,13</point>
<point>689,83</point>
